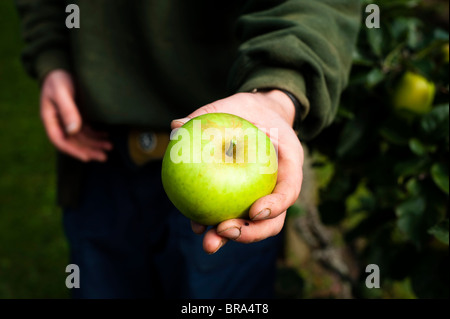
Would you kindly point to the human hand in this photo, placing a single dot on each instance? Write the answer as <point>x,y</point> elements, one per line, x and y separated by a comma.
<point>63,123</point>
<point>272,109</point>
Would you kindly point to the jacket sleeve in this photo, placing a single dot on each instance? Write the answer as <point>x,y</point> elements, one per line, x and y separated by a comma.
<point>302,46</point>
<point>45,35</point>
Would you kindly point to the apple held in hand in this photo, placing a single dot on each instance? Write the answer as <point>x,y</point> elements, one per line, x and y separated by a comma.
<point>216,166</point>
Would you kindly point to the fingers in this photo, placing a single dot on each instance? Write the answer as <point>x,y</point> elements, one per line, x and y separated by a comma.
<point>178,123</point>
<point>197,228</point>
<point>82,145</point>
<point>58,88</point>
<point>283,196</point>
<point>247,231</point>
<point>289,181</point>
<point>93,140</point>
<point>84,153</point>
<point>213,242</point>
<point>51,120</point>
<point>241,230</point>
<point>89,148</point>
<point>246,105</point>
<point>67,109</point>
<point>209,108</point>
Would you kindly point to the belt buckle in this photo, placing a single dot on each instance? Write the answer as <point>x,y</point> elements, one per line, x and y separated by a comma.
<point>146,146</point>
<point>147,141</point>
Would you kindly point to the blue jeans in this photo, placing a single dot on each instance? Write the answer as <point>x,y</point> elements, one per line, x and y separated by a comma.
<point>129,241</point>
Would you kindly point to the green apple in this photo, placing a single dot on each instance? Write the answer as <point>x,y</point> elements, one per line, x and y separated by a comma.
<point>216,166</point>
<point>413,93</point>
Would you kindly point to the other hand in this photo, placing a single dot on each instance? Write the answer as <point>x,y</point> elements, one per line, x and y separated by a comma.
<point>63,123</point>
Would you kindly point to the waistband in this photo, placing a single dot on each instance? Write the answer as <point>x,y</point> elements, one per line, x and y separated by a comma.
<point>140,147</point>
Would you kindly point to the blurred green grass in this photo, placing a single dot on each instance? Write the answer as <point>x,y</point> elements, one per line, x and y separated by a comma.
<point>33,250</point>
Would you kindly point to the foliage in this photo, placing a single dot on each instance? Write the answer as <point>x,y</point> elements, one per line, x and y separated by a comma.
<point>389,188</point>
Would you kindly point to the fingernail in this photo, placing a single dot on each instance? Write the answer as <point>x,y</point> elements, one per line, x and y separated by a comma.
<point>222,242</point>
<point>71,128</point>
<point>181,121</point>
<point>262,214</point>
<point>232,233</point>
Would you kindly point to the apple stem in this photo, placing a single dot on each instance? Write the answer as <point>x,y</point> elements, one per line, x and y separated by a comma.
<point>230,149</point>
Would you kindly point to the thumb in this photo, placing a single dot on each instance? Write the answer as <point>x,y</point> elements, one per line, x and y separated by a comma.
<point>209,108</point>
<point>178,122</point>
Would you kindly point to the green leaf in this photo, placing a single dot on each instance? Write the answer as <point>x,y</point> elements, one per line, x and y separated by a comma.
<point>417,147</point>
<point>393,58</point>
<point>345,113</point>
<point>440,34</point>
<point>424,66</point>
<point>436,123</point>
<point>375,38</point>
<point>396,131</point>
<point>414,36</point>
<point>439,173</point>
<point>414,166</point>
<point>407,30</point>
<point>351,135</point>
<point>440,231</point>
<point>374,77</point>
<point>393,136</point>
<point>391,4</point>
<point>420,149</point>
<point>410,215</point>
<point>413,187</point>
<point>360,59</point>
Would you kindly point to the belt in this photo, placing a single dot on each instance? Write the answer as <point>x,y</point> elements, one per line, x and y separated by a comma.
<point>146,146</point>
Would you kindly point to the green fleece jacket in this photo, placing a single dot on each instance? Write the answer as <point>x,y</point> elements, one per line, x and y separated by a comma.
<point>142,63</point>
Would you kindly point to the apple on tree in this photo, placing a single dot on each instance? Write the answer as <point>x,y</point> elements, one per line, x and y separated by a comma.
<point>413,93</point>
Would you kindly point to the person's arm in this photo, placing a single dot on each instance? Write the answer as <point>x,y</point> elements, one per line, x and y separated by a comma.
<point>300,46</point>
<point>46,36</point>
<point>304,47</point>
<point>46,57</point>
